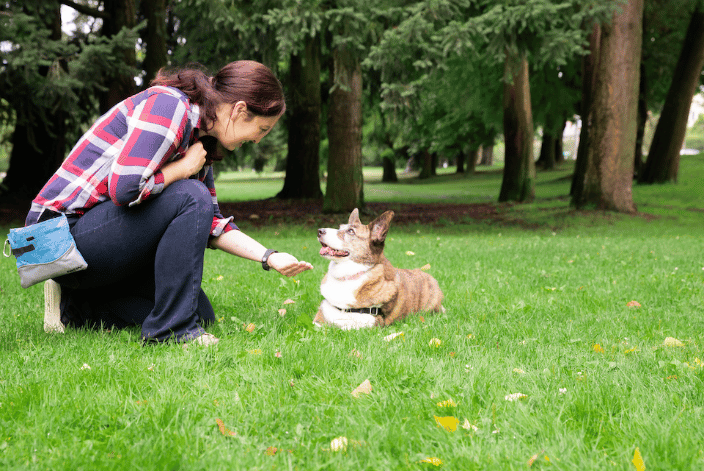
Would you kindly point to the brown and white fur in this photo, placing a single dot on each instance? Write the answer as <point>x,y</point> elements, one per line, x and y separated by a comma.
<point>360,276</point>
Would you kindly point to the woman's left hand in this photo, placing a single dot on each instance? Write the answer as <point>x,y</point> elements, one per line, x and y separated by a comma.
<point>287,264</point>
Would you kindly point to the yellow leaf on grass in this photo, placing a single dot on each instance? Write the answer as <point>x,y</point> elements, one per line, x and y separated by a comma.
<point>598,348</point>
<point>468,426</point>
<point>224,430</point>
<point>448,423</point>
<point>255,351</point>
<point>435,343</point>
<point>409,253</point>
<point>390,337</point>
<point>432,460</point>
<point>534,457</point>
<point>425,267</point>
<point>672,342</point>
<point>638,460</point>
<point>271,451</point>
<point>339,444</point>
<point>250,327</point>
<point>364,388</point>
<point>515,397</point>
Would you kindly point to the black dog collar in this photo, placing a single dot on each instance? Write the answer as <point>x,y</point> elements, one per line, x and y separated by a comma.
<point>374,311</point>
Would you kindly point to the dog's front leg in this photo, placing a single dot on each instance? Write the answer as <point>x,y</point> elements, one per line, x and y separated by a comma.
<point>344,320</point>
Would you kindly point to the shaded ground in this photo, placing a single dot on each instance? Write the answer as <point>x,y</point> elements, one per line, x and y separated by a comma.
<point>263,212</point>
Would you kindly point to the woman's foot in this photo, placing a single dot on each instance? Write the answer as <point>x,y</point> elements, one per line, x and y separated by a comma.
<point>52,307</point>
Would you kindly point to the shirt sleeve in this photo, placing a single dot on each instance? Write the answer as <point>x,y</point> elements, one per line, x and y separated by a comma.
<point>155,129</point>
<point>220,224</point>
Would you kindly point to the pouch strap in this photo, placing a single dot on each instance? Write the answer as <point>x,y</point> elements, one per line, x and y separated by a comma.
<point>4,248</point>
<point>22,250</point>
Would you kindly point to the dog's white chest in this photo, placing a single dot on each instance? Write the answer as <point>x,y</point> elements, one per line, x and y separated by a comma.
<point>342,282</point>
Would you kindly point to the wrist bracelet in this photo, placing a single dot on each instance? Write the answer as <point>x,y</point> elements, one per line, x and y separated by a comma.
<point>265,258</point>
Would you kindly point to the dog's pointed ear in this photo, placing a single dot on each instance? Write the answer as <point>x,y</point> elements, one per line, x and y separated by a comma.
<point>354,217</point>
<point>379,227</point>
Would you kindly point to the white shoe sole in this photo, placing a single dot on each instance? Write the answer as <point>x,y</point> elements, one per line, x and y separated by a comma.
<point>52,307</point>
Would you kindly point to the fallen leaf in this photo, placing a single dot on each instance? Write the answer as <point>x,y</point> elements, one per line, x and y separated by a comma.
<point>598,348</point>
<point>282,312</point>
<point>277,354</point>
<point>250,327</point>
<point>519,371</point>
<point>390,337</point>
<point>633,304</point>
<point>672,342</point>
<point>435,343</point>
<point>432,460</point>
<point>449,423</point>
<point>224,430</point>
<point>638,460</point>
<point>364,388</point>
<point>534,457</point>
<point>447,403</point>
<point>467,426</point>
<point>355,353</point>
<point>339,444</point>
<point>271,451</point>
<point>151,367</point>
<point>409,253</point>
<point>220,278</point>
<point>255,351</point>
<point>631,350</point>
<point>515,397</point>
<point>85,366</point>
<point>253,216</point>
<point>562,391</point>
<point>425,267</point>
<point>289,301</point>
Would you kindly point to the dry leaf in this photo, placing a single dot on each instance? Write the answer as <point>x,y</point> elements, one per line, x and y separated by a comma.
<point>638,460</point>
<point>633,304</point>
<point>425,267</point>
<point>432,460</point>
<point>253,216</point>
<point>467,426</point>
<point>224,430</point>
<point>85,366</point>
<point>409,253</point>
<point>390,337</point>
<point>255,351</point>
<point>277,354</point>
<point>519,371</point>
<point>534,457</point>
<point>250,327</point>
<point>598,348</point>
<point>355,353</point>
<point>282,312</point>
<point>289,301</point>
<point>435,343</point>
<point>220,278</point>
<point>271,451</point>
<point>364,388</point>
<point>449,423</point>
<point>339,444</point>
<point>672,342</point>
<point>515,397</point>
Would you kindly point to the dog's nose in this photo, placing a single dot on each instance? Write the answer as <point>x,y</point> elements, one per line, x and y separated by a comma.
<point>321,232</point>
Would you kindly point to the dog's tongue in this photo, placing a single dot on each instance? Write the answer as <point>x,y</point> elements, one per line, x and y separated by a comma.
<point>326,251</point>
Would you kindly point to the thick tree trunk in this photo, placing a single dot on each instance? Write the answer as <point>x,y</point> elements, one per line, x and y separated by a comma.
<point>426,170</point>
<point>121,14</point>
<point>303,160</point>
<point>519,168</point>
<point>345,185</point>
<point>389,174</point>
<point>487,155</point>
<point>155,58</point>
<point>589,69</point>
<point>461,158</point>
<point>663,160</point>
<point>614,109</point>
<point>472,158</point>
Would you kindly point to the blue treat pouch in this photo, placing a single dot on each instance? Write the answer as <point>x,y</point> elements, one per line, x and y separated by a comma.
<point>44,250</point>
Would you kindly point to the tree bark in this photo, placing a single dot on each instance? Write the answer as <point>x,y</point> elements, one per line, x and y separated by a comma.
<point>663,160</point>
<point>120,14</point>
<point>487,155</point>
<point>461,159</point>
<point>609,173</point>
<point>518,182</point>
<point>389,167</point>
<point>426,170</point>
<point>155,58</point>
<point>302,178</point>
<point>472,158</point>
<point>590,64</point>
<point>345,185</point>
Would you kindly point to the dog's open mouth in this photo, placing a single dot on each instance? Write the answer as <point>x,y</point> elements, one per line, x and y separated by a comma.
<point>330,252</point>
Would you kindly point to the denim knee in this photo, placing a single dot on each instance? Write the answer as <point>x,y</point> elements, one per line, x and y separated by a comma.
<point>193,192</point>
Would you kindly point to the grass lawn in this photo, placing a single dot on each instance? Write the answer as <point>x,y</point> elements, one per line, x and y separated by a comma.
<point>537,312</point>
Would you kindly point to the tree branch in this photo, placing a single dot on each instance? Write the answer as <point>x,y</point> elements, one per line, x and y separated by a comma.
<point>86,10</point>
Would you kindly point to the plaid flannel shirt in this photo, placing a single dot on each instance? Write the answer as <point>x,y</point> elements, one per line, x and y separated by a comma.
<point>121,155</point>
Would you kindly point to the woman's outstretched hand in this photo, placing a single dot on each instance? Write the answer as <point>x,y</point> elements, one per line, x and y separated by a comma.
<point>287,264</point>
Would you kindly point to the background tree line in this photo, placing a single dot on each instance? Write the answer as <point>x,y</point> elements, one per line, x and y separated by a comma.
<point>414,80</point>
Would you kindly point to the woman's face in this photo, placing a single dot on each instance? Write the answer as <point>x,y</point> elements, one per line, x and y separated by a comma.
<point>243,127</point>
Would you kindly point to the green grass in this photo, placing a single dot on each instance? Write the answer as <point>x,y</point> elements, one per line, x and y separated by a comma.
<point>544,293</point>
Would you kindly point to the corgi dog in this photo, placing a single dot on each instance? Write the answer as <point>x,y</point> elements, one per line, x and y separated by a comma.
<point>362,288</point>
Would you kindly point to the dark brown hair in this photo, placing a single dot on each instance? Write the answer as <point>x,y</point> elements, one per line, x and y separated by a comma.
<point>247,81</point>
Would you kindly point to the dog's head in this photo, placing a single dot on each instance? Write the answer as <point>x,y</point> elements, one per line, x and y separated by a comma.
<point>354,241</point>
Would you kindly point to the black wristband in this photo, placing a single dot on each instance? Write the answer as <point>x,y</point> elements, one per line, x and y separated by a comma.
<point>265,258</point>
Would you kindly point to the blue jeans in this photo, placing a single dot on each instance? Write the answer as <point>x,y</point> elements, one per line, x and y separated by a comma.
<point>145,265</point>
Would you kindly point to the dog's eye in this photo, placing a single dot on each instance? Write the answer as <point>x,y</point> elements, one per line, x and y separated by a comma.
<point>350,231</point>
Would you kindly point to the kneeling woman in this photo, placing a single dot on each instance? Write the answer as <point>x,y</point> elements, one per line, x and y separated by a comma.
<point>139,194</point>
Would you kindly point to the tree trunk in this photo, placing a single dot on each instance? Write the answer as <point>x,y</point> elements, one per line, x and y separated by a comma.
<point>609,174</point>
<point>487,155</point>
<point>461,158</point>
<point>589,70</point>
<point>472,158</point>
<point>155,58</point>
<point>345,185</point>
<point>389,166</point>
<point>663,160</point>
<point>303,160</point>
<point>426,170</point>
<point>121,14</point>
<point>642,121</point>
<point>38,140</point>
<point>519,169</point>
<point>559,149</point>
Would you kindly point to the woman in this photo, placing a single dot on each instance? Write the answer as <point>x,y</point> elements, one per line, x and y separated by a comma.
<point>139,195</point>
